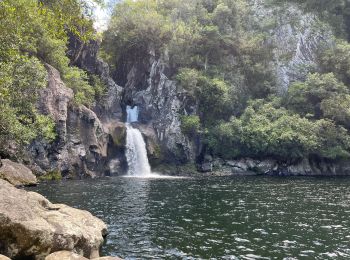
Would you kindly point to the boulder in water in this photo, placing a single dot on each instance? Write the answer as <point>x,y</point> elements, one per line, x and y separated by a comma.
<point>32,227</point>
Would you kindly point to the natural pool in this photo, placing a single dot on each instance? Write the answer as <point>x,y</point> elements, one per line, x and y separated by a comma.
<point>216,218</point>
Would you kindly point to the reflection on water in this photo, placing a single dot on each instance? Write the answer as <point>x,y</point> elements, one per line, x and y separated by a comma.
<point>217,218</point>
<point>154,176</point>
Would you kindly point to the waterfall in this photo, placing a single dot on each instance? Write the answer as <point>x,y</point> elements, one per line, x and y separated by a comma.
<point>136,153</point>
<point>132,114</point>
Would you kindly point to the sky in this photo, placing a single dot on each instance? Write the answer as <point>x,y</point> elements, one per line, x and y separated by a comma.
<point>102,15</point>
<point>101,18</point>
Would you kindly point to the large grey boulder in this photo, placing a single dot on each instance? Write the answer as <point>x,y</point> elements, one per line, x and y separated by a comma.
<point>16,173</point>
<point>32,227</point>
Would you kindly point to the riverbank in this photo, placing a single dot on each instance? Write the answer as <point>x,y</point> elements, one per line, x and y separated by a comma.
<point>249,166</point>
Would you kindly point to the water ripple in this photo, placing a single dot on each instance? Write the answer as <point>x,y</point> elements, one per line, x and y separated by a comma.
<point>217,218</point>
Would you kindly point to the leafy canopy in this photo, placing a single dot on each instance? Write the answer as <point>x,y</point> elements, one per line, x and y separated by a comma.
<point>33,33</point>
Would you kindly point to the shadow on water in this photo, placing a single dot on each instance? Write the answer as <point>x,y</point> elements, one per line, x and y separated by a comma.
<point>224,218</point>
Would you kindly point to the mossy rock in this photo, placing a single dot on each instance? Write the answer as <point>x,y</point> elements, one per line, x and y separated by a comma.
<point>119,136</point>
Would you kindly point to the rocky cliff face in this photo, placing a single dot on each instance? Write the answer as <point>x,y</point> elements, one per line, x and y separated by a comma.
<point>296,36</point>
<point>83,142</point>
<point>160,103</point>
<point>91,142</point>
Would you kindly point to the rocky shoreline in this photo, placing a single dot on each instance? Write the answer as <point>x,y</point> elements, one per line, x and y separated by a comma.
<point>248,167</point>
<point>273,167</point>
<point>33,228</point>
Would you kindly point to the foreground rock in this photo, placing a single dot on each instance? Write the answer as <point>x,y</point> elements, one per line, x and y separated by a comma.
<point>66,255</point>
<point>16,173</point>
<point>32,227</point>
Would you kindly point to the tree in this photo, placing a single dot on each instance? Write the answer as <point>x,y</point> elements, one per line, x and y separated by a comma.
<point>33,33</point>
<point>135,26</point>
<point>264,130</point>
<point>211,94</point>
<point>20,82</point>
<point>337,108</point>
<point>337,60</point>
<point>306,97</point>
<point>190,125</point>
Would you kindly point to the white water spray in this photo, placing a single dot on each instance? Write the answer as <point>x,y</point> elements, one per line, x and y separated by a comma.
<point>136,153</point>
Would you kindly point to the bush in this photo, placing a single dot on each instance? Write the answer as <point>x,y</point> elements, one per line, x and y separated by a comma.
<point>20,82</point>
<point>190,125</point>
<point>337,60</point>
<point>264,130</point>
<point>333,141</point>
<point>54,175</point>
<point>306,97</point>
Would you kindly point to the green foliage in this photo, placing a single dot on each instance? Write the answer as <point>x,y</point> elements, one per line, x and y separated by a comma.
<point>190,125</point>
<point>134,26</point>
<point>315,94</point>
<point>333,140</point>
<point>72,15</point>
<point>40,30</point>
<point>77,80</point>
<point>337,108</point>
<point>212,94</point>
<point>208,38</point>
<point>20,82</point>
<point>224,139</point>
<point>33,33</point>
<point>54,175</point>
<point>99,87</point>
<point>222,59</point>
<point>264,130</point>
<point>337,60</point>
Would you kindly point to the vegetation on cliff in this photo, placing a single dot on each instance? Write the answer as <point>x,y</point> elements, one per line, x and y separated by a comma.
<point>33,33</point>
<point>213,49</point>
<point>223,58</point>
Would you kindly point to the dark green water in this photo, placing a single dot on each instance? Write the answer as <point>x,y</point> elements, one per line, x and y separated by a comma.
<point>217,218</point>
